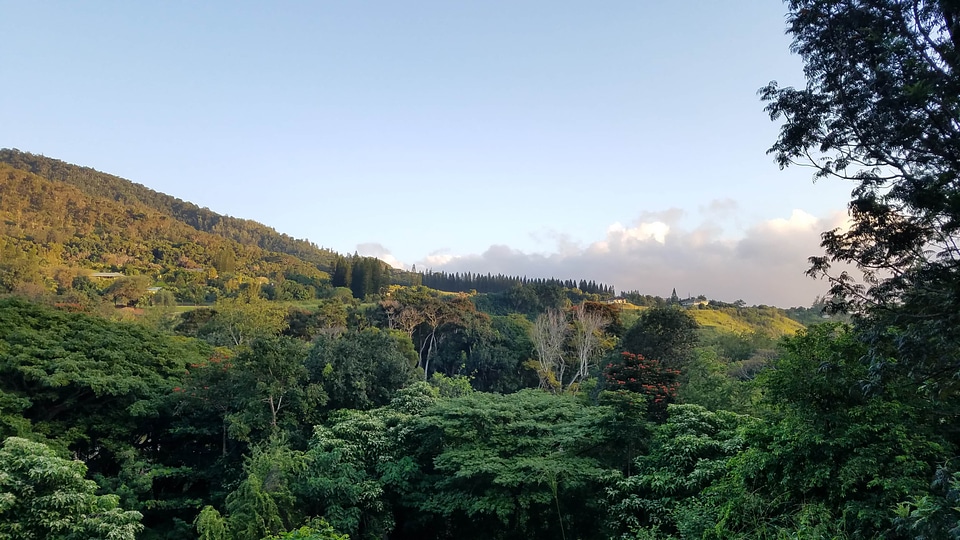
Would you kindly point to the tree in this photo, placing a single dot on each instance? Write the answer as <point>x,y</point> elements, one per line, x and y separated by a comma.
<point>667,334</point>
<point>93,386</point>
<point>44,496</point>
<point>830,453</point>
<point>341,273</point>
<point>588,325</point>
<point>351,459</point>
<point>341,481</point>
<point>548,335</point>
<point>225,261</point>
<point>264,502</point>
<point>273,390</point>
<point>567,350</point>
<point>239,320</point>
<point>127,290</point>
<point>880,109</point>
<point>505,467</point>
<point>495,361</point>
<point>645,376</point>
<point>318,530</point>
<point>689,452</point>
<point>361,370</point>
<point>427,317</point>
<point>210,524</point>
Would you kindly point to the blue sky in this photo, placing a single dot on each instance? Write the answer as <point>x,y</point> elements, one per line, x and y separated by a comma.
<point>617,141</point>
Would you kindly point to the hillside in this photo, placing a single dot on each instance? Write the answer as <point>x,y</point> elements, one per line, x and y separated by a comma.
<point>106,186</point>
<point>59,215</point>
<point>50,231</point>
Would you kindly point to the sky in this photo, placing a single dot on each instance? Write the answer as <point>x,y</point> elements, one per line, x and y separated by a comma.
<point>618,141</point>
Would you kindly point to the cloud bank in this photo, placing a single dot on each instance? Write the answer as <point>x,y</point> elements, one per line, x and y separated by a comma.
<point>763,264</point>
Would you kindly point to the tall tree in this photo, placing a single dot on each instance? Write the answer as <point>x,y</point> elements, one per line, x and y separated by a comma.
<point>566,350</point>
<point>588,325</point>
<point>506,467</point>
<point>361,370</point>
<point>274,392</point>
<point>264,502</point>
<point>427,317</point>
<point>880,109</point>
<point>341,273</point>
<point>548,334</point>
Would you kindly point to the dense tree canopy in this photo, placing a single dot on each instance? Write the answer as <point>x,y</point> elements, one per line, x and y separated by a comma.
<point>314,396</point>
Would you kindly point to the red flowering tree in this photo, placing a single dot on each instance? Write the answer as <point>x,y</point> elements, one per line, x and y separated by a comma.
<point>646,376</point>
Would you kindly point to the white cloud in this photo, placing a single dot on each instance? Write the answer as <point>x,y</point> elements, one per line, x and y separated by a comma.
<point>373,249</point>
<point>799,220</point>
<point>763,265</point>
<point>656,231</point>
<point>438,258</point>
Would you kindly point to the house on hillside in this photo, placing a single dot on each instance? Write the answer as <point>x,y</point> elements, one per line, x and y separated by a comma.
<point>694,302</point>
<point>107,275</point>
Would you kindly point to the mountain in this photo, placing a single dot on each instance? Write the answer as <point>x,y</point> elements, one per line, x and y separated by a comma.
<point>54,231</point>
<point>106,186</point>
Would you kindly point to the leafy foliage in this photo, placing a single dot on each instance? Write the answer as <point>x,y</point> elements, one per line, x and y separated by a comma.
<point>274,393</point>
<point>319,530</point>
<point>935,514</point>
<point>89,383</point>
<point>264,503</point>
<point>342,480</point>
<point>830,448</point>
<point>44,496</point>
<point>516,466</point>
<point>361,370</point>
<point>689,452</point>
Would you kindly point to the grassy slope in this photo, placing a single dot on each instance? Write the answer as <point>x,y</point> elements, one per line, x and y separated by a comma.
<point>728,320</point>
<point>770,321</point>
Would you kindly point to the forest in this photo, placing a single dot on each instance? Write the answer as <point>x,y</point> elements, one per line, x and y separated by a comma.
<point>169,373</point>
